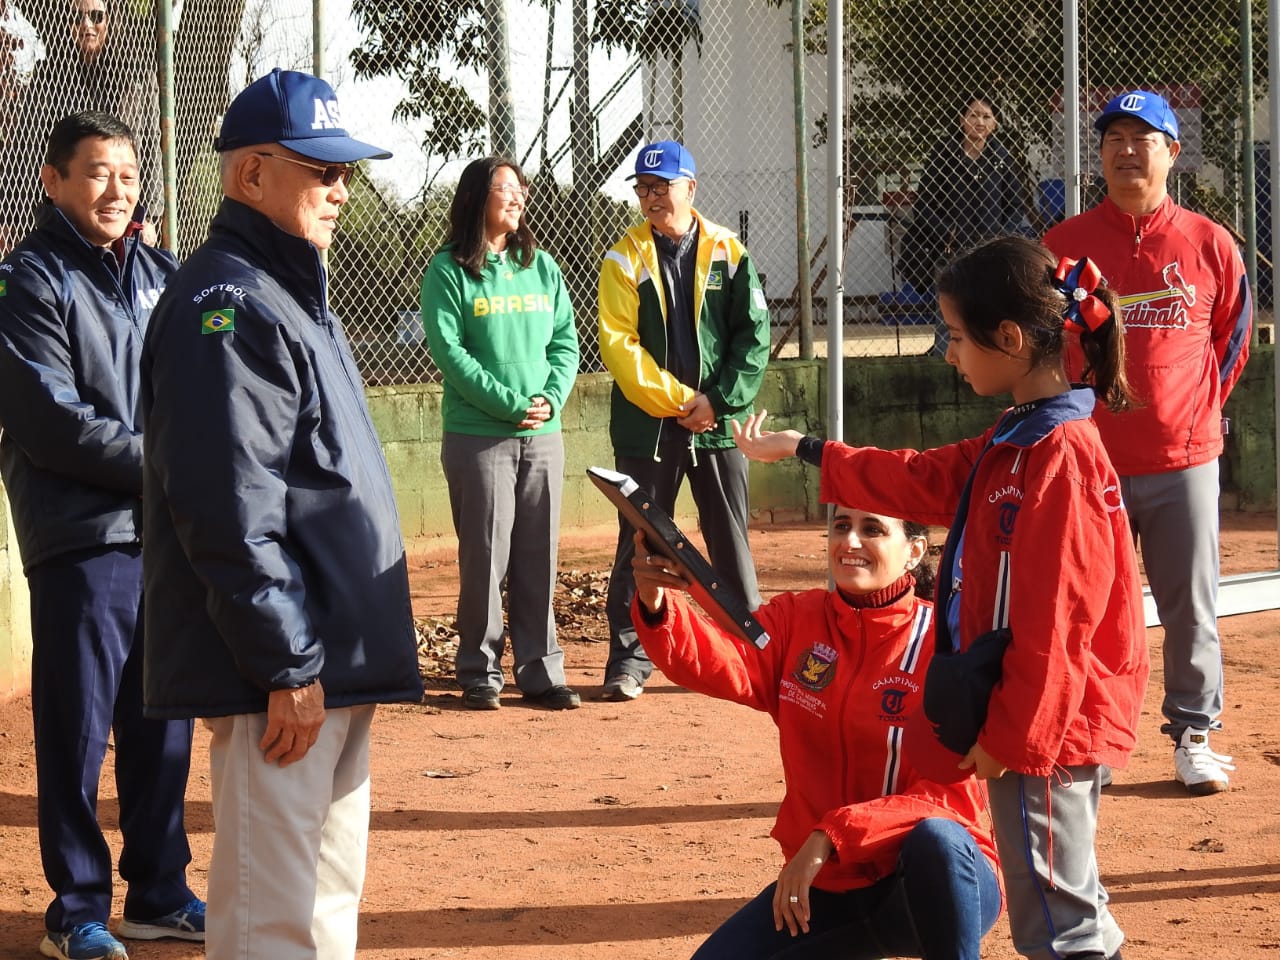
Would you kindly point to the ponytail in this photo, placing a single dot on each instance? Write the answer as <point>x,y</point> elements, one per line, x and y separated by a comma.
<point>1103,350</point>
<point>1093,311</point>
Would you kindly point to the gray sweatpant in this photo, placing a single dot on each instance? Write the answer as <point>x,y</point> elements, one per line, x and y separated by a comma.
<point>505,495</point>
<point>1174,517</point>
<point>718,481</point>
<point>1044,830</point>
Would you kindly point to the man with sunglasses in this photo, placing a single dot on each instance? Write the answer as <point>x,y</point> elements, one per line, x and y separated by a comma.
<point>274,567</point>
<point>684,330</point>
<point>75,296</point>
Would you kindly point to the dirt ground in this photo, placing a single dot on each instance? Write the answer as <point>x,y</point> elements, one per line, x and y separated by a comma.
<point>631,830</point>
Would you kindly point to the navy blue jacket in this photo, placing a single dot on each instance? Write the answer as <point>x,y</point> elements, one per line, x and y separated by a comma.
<point>71,328</point>
<point>273,554</point>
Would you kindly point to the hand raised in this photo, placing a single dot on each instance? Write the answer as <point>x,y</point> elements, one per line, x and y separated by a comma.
<point>759,444</point>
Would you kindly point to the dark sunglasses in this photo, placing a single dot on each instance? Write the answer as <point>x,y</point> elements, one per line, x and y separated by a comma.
<point>96,17</point>
<point>330,173</point>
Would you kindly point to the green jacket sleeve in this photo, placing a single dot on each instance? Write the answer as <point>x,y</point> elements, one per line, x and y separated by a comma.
<point>747,348</point>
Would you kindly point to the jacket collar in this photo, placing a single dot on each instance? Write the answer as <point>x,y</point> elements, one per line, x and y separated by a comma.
<point>291,261</point>
<point>54,223</point>
<point>853,619</point>
<point>1027,425</point>
<point>1131,224</point>
<point>642,234</point>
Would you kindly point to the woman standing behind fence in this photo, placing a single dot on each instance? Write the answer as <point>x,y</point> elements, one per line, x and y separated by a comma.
<point>500,328</point>
<point>971,189</point>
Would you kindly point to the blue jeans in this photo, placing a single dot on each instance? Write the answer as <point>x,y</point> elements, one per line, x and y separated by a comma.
<point>938,904</point>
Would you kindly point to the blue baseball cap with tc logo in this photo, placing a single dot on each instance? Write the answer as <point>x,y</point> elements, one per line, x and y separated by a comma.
<point>1151,108</point>
<point>666,159</point>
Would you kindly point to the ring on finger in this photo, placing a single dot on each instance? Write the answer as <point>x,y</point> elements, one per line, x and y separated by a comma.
<point>793,899</point>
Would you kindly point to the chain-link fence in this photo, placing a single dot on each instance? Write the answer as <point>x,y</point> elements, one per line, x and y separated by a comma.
<point>953,128</point>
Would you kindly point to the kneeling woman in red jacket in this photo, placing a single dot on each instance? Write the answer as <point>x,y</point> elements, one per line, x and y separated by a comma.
<point>879,861</point>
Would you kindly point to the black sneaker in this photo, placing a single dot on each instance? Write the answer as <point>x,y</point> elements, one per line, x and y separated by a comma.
<point>558,697</point>
<point>481,697</point>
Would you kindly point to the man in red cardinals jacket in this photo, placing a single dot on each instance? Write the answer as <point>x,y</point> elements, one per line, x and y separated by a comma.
<point>1187,316</point>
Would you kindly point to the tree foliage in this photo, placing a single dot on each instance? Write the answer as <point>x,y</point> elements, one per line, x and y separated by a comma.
<point>419,42</point>
<point>650,28</point>
<point>423,42</point>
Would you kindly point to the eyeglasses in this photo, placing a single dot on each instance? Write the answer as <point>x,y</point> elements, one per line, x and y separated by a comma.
<point>509,190</point>
<point>96,17</point>
<point>658,189</point>
<point>330,173</point>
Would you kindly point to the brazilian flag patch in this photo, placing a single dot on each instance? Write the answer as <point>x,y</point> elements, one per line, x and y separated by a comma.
<point>4,287</point>
<point>218,321</point>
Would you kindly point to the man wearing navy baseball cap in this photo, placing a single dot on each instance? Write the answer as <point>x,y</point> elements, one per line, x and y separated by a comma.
<point>274,571</point>
<point>684,329</point>
<point>1187,317</point>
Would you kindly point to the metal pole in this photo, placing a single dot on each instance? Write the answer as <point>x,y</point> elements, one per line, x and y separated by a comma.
<point>168,154</point>
<point>835,221</point>
<point>1249,186</point>
<point>580,109</point>
<point>1273,109</point>
<point>803,283</point>
<point>1071,177</point>
<point>502,118</point>
<point>317,37</point>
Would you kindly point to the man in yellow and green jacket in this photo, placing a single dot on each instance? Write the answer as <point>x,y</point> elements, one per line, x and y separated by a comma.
<point>684,329</point>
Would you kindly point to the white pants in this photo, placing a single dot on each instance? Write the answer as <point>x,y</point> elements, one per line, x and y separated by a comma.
<point>289,843</point>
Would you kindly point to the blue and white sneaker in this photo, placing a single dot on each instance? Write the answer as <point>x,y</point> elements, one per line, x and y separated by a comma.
<point>185,923</point>
<point>85,941</point>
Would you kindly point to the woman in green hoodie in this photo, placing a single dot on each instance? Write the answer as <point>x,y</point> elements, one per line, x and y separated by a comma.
<point>500,328</point>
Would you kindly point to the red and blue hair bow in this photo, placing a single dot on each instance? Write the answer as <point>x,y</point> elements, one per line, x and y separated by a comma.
<point>1078,280</point>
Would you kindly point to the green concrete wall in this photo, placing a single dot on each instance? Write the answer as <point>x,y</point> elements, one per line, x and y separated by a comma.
<point>1249,467</point>
<point>889,402</point>
<point>892,402</point>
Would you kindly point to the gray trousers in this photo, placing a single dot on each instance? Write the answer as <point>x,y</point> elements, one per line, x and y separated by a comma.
<point>1174,517</point>
<point>1044,830</point>
<point>718,482</point>
<point>505,496</point>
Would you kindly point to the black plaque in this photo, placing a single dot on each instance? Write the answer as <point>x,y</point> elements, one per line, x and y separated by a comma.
<point>724,605</point>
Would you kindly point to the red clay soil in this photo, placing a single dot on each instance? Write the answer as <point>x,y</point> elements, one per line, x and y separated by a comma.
<point>631,830</point>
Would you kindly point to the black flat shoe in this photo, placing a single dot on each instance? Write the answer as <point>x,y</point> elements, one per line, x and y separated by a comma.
<point>558,697</point>
<point>480,698</point>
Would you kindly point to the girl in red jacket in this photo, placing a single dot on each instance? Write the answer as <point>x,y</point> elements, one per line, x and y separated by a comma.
<point>1042,651</point>
<point>880,861</point>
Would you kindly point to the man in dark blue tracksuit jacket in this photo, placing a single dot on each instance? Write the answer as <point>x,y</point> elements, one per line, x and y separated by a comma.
<point>75,297</point>
<point>274,565</point>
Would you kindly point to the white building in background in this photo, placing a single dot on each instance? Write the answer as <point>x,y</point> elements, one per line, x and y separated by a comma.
<point>734,103</point>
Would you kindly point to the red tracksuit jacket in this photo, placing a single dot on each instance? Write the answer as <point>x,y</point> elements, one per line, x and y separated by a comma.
<point>1047,552</point>
<point>1187,314</point>
<point>840,683</point>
